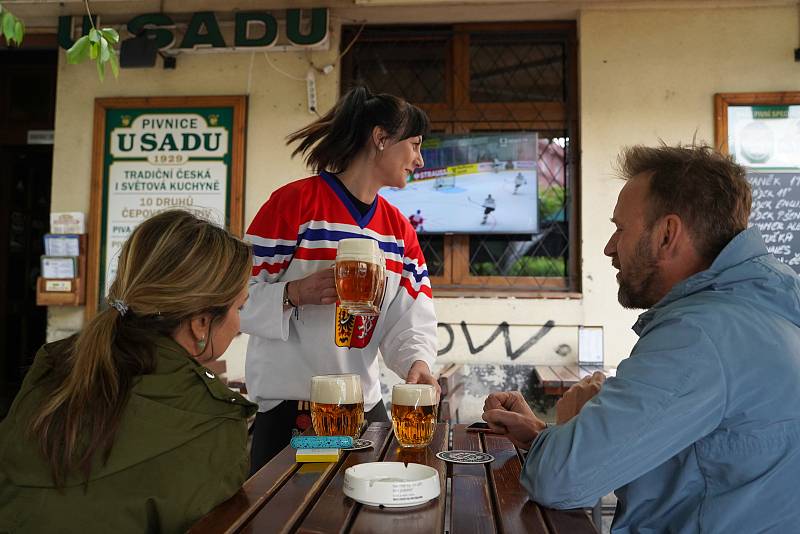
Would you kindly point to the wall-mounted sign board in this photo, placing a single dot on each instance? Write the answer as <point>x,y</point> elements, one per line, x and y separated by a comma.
<point>205,31</point>
<point>152,154</point>
<point>761,131</point>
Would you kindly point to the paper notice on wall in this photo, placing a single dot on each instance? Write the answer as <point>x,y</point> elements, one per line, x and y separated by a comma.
<point>590,345</point>
<point>67,222</point>
<point>62,245</point>
<point>58,267</point>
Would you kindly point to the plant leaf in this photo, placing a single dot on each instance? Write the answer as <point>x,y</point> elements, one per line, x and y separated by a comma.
<point>94,35</point>
<point>104,53</point>
<point>78,51</point>
<point>19,32</point>
<point>111,35</point>
<point>8,25</point>
<point>112,59</point>
<point>94,50</point>
<point>101,71</point>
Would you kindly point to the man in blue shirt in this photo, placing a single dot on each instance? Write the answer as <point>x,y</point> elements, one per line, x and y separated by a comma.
<point>700,429</point>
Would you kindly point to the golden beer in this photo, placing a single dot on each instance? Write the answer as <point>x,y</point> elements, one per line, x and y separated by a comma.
<point>337,405</point>
<point>357,281</point>
<point>414,408</point>
<point>337,419</point>
<point>359,273</point>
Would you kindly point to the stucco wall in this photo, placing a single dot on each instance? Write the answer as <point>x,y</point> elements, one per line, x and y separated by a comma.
<point>644,75</point>
<point>652,75</point>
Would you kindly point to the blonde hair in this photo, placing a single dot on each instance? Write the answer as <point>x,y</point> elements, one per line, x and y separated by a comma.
<point>173,267</point>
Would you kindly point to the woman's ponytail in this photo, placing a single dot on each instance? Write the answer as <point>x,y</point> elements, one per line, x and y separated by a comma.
<point>86,394</point>
<point>332,142</point>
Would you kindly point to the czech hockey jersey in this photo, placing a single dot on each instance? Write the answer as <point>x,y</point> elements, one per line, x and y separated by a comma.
<point>295,234</point>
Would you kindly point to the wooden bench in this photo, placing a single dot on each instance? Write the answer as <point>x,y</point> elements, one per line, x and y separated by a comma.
<point>557,379</point>
<point>451,380</point>
<point>308,498</point>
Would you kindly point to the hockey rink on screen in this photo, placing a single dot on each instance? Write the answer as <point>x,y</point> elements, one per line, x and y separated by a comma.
<point>461,208</point>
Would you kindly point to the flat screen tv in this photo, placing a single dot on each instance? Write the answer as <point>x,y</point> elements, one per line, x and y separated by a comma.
<point>476,183</point>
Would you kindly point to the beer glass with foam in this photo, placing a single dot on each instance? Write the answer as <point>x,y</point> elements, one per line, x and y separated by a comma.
<point>337,405</point>
<point>414,408</point>
<point>360,273</point>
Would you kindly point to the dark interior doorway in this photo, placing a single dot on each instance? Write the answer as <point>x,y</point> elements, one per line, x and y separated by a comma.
<point>27,102</point>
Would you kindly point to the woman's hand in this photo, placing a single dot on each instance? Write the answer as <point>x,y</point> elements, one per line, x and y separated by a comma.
<point>420,373</point>
<point>318,288</point>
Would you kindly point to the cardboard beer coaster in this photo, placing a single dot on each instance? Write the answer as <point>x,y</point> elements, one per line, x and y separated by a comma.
<point>359,444</point>
<point>465,457</point>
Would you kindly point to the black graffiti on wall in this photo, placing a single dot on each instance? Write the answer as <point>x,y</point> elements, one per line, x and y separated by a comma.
<point>502,328</point>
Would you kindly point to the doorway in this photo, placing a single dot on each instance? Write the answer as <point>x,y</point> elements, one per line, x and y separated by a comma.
<point>27,103</point>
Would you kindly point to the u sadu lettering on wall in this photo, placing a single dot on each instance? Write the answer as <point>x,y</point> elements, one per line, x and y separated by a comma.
<point>257,29</point>
<point>502,328</point>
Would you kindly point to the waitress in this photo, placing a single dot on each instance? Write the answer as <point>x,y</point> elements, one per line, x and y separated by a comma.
<point>297,329</point>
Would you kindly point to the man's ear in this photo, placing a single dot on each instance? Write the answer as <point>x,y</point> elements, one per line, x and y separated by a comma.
<point>199,325</point>
<point>670,233</point>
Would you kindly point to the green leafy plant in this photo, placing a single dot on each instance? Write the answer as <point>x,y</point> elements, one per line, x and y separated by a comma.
<point>484,268</point>
<point>11,27</point>
<point>97,45</point>
<point>538,266</point>
<point>551,202</point>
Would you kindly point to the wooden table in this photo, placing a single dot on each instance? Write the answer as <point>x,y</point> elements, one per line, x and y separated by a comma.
<point>307,498</point>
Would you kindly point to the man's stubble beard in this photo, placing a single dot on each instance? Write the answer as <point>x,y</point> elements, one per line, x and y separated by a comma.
<point>637,287</point>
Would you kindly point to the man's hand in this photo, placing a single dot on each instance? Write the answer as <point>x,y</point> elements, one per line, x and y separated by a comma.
<point>317,288</point>
<point>420,373</point>
<point>509,415</point>
<point>573,400</point>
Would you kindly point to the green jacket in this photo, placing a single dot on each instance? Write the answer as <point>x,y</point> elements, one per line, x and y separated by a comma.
<point>180,450</point>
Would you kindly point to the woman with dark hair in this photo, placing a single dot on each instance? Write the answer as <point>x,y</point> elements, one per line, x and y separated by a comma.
<point>297,329</point>
<point>120,428</point>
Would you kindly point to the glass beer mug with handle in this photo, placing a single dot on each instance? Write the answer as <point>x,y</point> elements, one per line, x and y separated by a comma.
<point>337,405</point>
<point>360,273</point>
<point>414,408</point>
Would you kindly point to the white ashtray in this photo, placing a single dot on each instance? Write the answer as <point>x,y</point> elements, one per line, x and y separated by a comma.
<point>391,484</point>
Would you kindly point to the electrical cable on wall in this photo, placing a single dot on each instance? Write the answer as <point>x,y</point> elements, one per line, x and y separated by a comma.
<point>310,77</point>
<point>275,67</point>
<point>250,72</point>
<point>328,68</point>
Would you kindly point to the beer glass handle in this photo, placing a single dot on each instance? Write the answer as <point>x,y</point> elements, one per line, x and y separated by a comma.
<point>381,287</point>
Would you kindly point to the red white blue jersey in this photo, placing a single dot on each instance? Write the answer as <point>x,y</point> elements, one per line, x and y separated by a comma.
<point>296,233</point>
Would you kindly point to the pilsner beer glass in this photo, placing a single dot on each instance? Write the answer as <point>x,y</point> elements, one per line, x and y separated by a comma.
<point>360,272</point>
<point>414,414</point>
<point>337,405</point>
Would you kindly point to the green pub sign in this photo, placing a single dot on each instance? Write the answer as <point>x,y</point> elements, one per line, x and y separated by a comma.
<point>770,112</point>
<point>256,29</point>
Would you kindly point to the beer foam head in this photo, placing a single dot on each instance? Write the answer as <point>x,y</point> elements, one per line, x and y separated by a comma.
<point>359,249</point>
<point>336,389</point>
<point>414,395</point>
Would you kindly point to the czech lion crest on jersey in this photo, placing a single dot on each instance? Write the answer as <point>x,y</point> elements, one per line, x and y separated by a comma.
<point>353,331</point>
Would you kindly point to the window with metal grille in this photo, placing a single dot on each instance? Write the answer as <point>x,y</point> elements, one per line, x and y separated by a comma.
<point>479,78</point>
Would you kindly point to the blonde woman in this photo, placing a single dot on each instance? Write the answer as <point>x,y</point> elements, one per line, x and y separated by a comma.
<point>120,428</point>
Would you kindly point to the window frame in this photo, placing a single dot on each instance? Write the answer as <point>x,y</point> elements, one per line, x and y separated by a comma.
<point>458,115</point>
